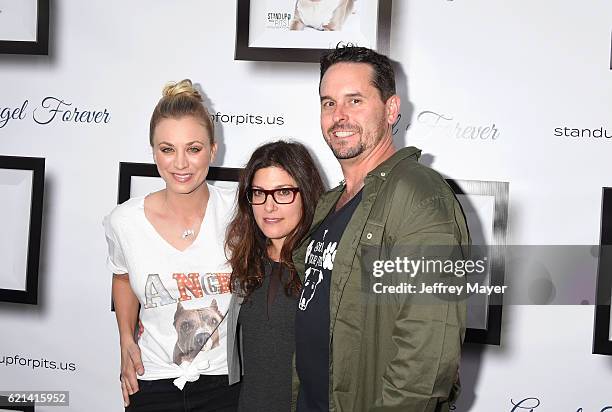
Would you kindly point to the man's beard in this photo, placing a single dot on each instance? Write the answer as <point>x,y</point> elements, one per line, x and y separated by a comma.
<point>342,150</point>
<point>347,152</point>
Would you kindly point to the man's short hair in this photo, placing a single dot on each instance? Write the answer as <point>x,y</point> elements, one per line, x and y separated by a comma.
<point>384,75</point>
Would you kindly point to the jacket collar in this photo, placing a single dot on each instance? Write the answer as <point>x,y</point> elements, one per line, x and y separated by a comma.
<point>329,199</point>
<point>382,170</point>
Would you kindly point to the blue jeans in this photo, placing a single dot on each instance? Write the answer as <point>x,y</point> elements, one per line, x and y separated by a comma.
<point>209,393</point>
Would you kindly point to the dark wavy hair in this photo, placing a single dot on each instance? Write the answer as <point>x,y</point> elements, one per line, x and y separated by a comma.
<point>245,242</point>
<point>384,75</point>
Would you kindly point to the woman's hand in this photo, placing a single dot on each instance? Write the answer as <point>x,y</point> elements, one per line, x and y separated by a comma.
<point>126,310</point>
<point>131,366</point>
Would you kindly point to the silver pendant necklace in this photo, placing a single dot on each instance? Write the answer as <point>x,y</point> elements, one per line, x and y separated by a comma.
<point>187,233</point>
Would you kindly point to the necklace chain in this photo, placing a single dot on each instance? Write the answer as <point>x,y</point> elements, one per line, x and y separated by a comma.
<point>188,231</point>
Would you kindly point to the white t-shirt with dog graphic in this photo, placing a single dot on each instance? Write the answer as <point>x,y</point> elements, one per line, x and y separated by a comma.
<point>184,296</point>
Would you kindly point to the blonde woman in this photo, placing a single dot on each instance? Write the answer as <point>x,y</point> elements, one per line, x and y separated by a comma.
<point>167,255</point>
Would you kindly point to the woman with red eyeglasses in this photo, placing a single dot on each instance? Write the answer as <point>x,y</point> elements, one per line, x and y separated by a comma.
<point>277,196</point>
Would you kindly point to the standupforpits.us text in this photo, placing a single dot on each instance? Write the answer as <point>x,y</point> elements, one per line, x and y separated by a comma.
<point>248,119</point>
<point>597,133</point>
<point>39,363</point>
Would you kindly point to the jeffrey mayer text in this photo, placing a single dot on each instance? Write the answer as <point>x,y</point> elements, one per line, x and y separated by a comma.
<point>438,288</point>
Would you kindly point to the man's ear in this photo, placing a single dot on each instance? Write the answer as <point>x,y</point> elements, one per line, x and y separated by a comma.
<point>392,108</point>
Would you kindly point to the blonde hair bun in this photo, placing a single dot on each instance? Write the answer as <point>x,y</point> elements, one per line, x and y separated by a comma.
<point>184,87</point>
<point>181,99</point>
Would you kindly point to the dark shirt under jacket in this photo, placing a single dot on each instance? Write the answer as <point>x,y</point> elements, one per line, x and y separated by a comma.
<point>312,319</point>
<point>268,344</point>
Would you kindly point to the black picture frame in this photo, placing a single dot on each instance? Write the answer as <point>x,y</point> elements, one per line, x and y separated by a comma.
<point>245,52</point>
<point>602,344</point>
<point>128,170</point>
<point>40,46</point>
<point>491,335</point>
<point>37,166</point>
<point>13,406</point>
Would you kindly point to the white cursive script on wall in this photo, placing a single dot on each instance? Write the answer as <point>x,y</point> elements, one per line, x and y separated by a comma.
<point>432,124</point>
<point>531,404</point>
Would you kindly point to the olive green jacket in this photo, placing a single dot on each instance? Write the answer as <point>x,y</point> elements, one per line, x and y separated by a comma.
<point>386,352</point>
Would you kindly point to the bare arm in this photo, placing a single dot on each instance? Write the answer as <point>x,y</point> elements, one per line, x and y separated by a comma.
<point>126,310</point>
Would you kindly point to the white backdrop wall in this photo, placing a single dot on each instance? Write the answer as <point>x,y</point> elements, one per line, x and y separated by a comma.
<point>523,67</point>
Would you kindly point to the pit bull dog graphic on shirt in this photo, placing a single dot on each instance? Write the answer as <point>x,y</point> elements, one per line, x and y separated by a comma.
<point>312,280</point>
<point>319,255</point>
<point>196,326</point>
<point>196,331</point>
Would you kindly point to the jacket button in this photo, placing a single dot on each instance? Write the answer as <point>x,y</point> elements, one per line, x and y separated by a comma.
<point>369,236</point>
<point>383,174</point>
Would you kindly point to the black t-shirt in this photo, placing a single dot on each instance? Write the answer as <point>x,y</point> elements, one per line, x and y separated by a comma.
<point>312,317</point>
